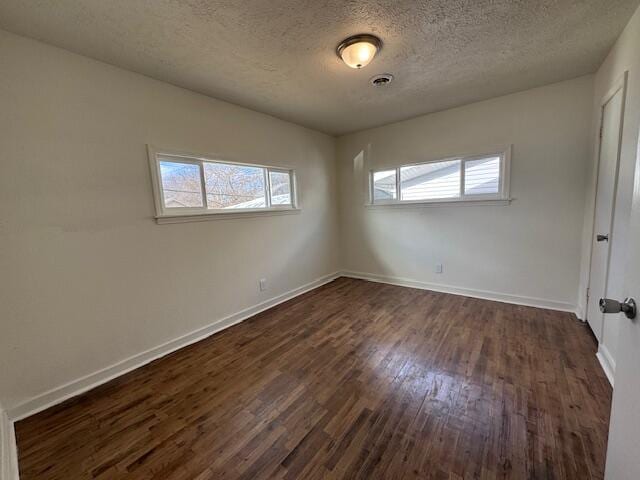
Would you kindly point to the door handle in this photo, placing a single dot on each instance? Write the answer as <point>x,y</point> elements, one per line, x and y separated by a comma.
<point>602,238</point>
<point>613,306</point>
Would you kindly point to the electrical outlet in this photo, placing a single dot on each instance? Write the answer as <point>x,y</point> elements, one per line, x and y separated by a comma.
<point>438,268</point>
<point>263,284</point>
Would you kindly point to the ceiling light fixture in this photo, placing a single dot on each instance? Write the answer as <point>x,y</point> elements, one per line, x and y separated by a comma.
<point>359,50</point>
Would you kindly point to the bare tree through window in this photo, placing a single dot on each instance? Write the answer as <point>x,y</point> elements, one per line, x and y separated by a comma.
<point>231,185</point>
<point>181,184</point>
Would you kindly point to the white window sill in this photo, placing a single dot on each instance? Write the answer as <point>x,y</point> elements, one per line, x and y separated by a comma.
<point>224,215</point>
<point>438,203</point>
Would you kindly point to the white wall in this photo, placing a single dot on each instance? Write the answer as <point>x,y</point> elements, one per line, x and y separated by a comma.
<point>528,250</point>
<point>88,277</point>
<point>623,57</point>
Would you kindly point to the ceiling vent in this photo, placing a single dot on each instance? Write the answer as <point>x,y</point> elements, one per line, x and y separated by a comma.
<point>381,80</point>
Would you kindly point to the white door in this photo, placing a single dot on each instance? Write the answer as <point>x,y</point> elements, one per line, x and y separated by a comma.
<point>611,127</point>
<point>623,451</point>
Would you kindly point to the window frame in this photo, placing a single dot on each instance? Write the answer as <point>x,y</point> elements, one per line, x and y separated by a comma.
<point>156,155</point>
<point>502,196</point>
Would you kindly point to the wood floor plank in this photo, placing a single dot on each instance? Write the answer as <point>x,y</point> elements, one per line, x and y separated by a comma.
<point>351,380</point>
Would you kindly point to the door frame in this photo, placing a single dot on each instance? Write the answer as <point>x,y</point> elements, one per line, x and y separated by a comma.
<point>619,84</point>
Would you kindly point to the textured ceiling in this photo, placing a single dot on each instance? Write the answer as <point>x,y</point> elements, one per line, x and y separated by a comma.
<point>277,56</point>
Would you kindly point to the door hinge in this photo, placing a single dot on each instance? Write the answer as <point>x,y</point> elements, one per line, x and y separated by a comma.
<point>587,295</point>
<point>601,128</point>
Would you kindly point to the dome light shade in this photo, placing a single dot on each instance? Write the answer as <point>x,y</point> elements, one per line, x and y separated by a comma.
<point>359,50</point>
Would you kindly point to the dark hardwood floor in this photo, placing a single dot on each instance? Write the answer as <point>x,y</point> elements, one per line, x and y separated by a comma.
<point>352,380</point>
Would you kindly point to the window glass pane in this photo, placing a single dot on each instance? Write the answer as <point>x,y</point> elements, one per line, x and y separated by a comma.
<point>482,176</point>
<point>430,181</point>
<point>181,185</point>
<point>280,188</point>
<point>384,185</point>
<point>234,186</point>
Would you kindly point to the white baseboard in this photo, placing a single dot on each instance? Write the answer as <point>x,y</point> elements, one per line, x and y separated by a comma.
<point>607,362</point>
<point>467,292</point>
<point>9,465</point>
<point>8,449</point>
<point>81,385</point>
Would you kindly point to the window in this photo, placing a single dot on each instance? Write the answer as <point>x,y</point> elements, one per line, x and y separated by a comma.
<point>472,178</point>
<point>234,186</point>
<point>181,184</point>
<point>189,185</point>
<point>280,187</point>
<point>482,176</point>
<point>384,185</point>
<point>430,181</point>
